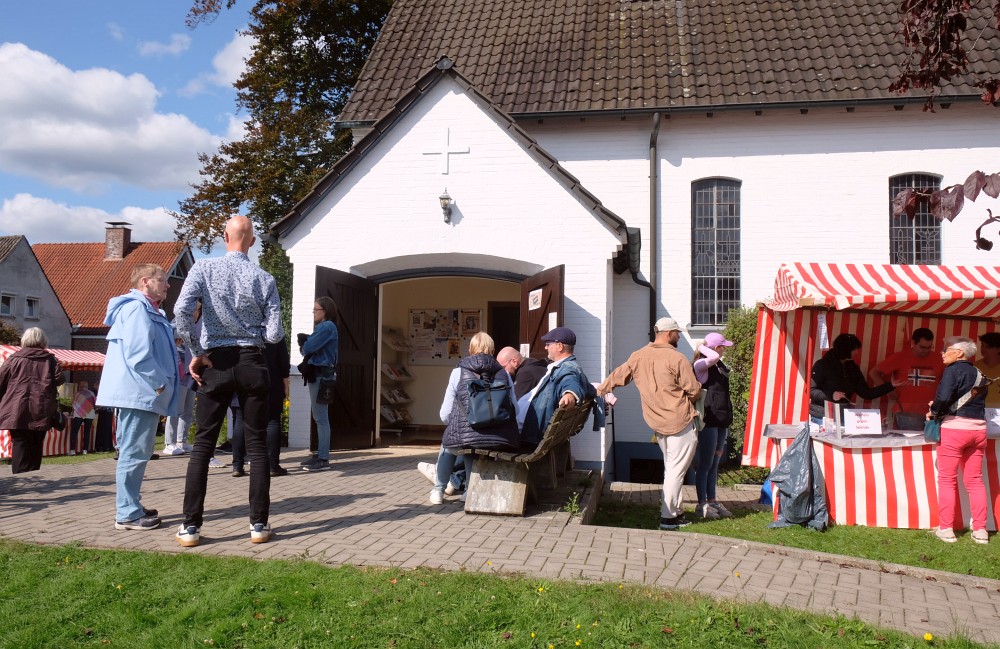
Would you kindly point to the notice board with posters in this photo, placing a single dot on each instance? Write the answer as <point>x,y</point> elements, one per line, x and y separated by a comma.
<point>441,336</point>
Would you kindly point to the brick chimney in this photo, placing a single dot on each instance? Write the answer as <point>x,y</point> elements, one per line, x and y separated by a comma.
<point>117,239</point>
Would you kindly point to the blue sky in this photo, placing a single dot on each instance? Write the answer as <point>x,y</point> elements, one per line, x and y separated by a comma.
<point>104,108</point>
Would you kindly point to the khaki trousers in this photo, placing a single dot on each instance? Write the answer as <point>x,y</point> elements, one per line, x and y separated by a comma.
<point>678,453</point>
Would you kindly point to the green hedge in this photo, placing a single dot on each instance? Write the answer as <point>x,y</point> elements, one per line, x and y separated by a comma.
<point>741,328</point>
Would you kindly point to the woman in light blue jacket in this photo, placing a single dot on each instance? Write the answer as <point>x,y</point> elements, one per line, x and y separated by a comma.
<point>140,379</point>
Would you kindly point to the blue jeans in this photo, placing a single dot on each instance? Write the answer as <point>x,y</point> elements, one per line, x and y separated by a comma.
<point>136,438</point>
<point>321,413</point>
<point>446,468</point>
<point>711,447</point>
<point>178,426</point>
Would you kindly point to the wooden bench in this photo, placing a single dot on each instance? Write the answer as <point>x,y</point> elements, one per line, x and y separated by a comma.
<point>501,481</point>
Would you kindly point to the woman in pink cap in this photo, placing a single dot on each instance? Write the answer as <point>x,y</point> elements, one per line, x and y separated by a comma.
<point>714,377</point>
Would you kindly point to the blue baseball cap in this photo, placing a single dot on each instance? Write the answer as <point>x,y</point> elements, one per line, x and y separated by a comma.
<point>563,335</point>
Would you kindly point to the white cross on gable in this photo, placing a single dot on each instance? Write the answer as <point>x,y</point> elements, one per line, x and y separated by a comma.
<point>446,150</point>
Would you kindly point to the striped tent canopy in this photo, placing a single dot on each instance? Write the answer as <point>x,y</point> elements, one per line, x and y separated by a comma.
<point>813,303</point>
<point>972,291</point>
<point>69,359</point>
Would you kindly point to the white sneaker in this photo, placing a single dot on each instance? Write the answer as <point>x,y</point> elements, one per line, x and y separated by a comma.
<point>706,511</point>
<point>71,453</point>
<point>462,497</point>
<point>449,489</point>
<point>436,497</point>
<point>980,536</point>
<point>214,463</point>
<point>946,534</point>
<point>428,470</point>
<point>187,447</point>
<point>174,450</point>
<point>721,510</point>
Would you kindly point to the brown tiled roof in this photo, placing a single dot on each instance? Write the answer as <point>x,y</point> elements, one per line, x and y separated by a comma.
<point>444,68</point>
<point>555,56</point>
<point>84,281</point>
<point>7,245</point>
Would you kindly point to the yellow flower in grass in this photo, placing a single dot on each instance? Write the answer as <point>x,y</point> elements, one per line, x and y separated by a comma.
<point>579,642</point>
<point>532,634</point>
<point>929,637</point>
<point>541,589</point>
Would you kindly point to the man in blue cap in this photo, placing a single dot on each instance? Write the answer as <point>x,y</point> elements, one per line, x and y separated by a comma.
<point>563,385</point>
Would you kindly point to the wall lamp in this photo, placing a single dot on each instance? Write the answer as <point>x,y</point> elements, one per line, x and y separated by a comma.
<point>446,204</point>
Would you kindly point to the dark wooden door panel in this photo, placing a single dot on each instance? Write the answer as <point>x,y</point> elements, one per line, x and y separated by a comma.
<point>352,414</point>
<point>541,301</point>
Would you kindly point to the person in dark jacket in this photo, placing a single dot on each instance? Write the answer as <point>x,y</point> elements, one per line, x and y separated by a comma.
<point>960,401</point>
<point>28,381</point>
<point>713,375</point>
<point>458,433</point>
<point>837,377</point>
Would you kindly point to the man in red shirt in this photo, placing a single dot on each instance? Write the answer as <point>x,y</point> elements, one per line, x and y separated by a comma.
<point>919,365</point>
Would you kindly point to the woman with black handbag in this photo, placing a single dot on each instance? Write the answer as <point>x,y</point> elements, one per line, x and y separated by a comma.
<point>321,353</point>
<point>28,404</point>
<point>960,404</point>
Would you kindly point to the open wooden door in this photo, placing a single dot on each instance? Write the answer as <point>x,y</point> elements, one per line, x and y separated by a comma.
<point>352,414</point>
<point>541,309</point>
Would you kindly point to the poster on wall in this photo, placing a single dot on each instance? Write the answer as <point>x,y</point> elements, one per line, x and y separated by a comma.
<point>441,336</point>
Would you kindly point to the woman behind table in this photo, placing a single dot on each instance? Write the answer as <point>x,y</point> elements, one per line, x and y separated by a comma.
<point>321,351</point>
<point>837,377</point>
<point>458,433</point>
<point>713,375</point>
<point>961,400</point>
<point>28,381</point>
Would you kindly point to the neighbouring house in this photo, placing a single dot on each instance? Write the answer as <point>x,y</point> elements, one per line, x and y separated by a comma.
<point>599,164</point>
<point>27,299</point>
<point>86,275</point>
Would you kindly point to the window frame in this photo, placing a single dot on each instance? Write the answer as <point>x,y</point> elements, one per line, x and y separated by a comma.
<point>719,307</point>
<point>38,307</point>
<point>906,234</point>
<point>12,300</point>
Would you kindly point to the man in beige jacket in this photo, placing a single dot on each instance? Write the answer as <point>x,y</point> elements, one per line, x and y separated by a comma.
<point>668,389</point>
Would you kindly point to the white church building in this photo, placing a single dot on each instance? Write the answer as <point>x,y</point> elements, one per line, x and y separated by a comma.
<point>518,168</point>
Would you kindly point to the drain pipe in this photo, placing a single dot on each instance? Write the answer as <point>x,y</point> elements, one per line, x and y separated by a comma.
<point>634,238</point>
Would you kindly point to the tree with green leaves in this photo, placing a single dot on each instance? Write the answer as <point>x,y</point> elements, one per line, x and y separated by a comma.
<point>306,57</point>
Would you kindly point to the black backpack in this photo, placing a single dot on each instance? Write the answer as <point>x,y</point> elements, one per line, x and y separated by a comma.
<point>490,404</point>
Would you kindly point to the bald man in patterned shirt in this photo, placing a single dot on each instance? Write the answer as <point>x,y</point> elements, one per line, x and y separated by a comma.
<point>241,312</point>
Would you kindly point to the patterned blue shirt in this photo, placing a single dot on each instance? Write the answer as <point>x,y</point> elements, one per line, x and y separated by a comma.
<point>240,305</point>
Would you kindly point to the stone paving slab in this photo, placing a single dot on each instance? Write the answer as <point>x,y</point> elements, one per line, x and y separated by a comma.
<point>371,509</point>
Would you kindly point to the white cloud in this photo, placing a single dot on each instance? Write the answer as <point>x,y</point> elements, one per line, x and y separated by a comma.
<point>178,44</point>
<point>87,130</point>
<point>116,31</point>
<point>227,66</point>
<point>44,221</point>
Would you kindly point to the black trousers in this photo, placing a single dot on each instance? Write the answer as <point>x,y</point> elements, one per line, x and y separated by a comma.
<point>75,426</point>
<point>276,405</point>
<point>241,371</point>
<point>26,450</point>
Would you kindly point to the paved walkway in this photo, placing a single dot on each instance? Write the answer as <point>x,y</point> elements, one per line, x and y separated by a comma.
<point>371,509</point>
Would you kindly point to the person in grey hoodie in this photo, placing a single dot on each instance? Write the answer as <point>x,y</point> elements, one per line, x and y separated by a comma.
<point>140,379</point>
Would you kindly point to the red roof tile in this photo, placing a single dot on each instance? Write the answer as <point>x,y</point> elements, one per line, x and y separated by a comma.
<point>84,280</point>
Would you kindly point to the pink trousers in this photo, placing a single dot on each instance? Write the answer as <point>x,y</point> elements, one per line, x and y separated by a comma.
<point>961,448</point>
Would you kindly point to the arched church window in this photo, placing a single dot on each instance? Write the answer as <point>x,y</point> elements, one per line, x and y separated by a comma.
<point>715,249</point>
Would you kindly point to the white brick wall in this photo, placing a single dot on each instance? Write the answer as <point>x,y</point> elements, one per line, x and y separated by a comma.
<point>814,187</point>
<point>510,213</point>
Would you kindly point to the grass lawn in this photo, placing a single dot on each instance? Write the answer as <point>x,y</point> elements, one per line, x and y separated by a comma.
<point>908,547</point>
<point>75,597</point>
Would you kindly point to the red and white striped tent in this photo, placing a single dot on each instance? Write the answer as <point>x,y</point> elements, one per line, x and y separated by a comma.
<point>882,304</point>
<point>69,359</point>
<point>56,441</point>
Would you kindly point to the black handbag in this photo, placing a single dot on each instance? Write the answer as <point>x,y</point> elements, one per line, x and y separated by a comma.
<point>325,394</point>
